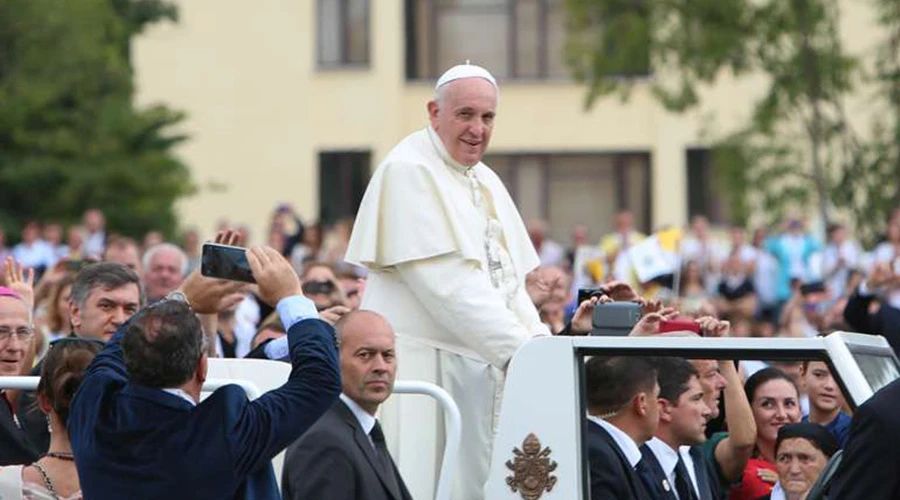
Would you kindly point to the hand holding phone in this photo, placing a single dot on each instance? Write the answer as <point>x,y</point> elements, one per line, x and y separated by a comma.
<point>225,262</point>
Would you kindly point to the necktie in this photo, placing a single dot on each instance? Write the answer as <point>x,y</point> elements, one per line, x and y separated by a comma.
<point>384,458</point>
<point>683,482</point>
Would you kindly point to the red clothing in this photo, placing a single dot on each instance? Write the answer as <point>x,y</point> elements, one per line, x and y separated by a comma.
<point>752,487</point>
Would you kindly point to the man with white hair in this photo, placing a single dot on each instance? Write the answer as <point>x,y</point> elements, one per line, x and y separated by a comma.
<point>16,336</point>
<point>448,255</point>
<point>165,267</point>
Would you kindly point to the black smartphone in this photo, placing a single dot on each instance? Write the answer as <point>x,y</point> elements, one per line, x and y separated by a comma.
<point>588,293</point>
<point>225,262</point>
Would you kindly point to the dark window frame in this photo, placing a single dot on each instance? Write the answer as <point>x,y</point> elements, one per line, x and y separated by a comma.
<point>619,166</point>
<point>415,74</point>
<point>344,61</point>
<point>349,164</point>
<point>704,194</point>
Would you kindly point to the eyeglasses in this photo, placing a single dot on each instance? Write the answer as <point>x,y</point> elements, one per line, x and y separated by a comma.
<point>22,334</point>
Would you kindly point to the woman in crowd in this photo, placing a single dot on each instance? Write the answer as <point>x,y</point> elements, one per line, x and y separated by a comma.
<point>775,401</point>
<point>888,253</point>
<point>321,285</point>
<point>58,309</point>
<point>801,453</point>
<point>53,475</point>
<point>737,297</point>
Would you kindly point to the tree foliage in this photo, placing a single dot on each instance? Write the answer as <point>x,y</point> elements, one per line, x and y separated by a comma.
<point>799,146</point>
<point>70,135</point>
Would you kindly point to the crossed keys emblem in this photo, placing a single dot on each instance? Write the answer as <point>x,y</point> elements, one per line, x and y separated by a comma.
<point>531,467</point>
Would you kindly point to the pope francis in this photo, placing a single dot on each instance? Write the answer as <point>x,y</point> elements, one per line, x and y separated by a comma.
<point>448,255</point>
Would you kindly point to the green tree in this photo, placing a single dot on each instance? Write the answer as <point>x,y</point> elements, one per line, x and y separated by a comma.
<point>799,145</point>
<point>873,176</point>
<point>70,135</point>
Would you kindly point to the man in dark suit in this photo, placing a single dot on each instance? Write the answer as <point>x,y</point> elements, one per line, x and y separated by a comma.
<point>671,471</point>
<point>871,460</point>
<point>343,456</point>
<point>138,429</point>
<point>622,415</point>
<point>886,320</point>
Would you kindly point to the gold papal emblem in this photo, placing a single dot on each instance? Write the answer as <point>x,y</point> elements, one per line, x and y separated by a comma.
<point>531,467</point>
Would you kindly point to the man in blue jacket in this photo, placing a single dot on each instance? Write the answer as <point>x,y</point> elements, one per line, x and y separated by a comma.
<point>138,428</point>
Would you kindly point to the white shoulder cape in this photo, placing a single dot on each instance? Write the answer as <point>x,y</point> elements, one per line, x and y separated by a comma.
<point>408,214</point>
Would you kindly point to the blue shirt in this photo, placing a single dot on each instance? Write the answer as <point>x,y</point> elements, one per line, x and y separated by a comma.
<point>839,427</point>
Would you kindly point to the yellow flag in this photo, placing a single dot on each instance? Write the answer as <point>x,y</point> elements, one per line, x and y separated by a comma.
<point>670,239</point>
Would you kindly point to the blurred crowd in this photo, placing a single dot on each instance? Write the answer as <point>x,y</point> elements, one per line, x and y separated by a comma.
<point>56,254</point>
<point>782,281</point>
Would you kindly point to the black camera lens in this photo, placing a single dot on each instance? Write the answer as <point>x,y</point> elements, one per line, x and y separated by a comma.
<point>318,288</point>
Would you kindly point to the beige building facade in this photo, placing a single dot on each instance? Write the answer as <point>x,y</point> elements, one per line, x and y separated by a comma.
<point>297,100</point>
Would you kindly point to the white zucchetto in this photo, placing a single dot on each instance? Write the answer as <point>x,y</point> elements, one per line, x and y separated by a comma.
<point>466,70</point>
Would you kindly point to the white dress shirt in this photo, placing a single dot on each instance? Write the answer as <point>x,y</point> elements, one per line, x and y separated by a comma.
<point>623,441</point>
<point>668,459</point>
<point>366,420</point>
<point>291,310</point>
<point>181,394</point>
<point>778,492</point>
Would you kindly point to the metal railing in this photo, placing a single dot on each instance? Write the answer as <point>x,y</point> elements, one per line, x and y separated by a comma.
<point>454,430</point>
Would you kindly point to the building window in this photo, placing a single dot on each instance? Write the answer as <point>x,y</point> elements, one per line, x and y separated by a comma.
<point>343,33</point>
<point>512,38</point>
<point>343,176</point>
<point>571,189</point>
<point>705,195</point>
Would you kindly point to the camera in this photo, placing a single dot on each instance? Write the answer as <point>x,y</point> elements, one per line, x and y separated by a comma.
<point>615,318</point>
<point>588,293</point>
<point>318,288</point>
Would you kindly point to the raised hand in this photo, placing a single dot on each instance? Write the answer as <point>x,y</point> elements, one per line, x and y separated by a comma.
<point>228,237</point>
<point>712,327</point>
<point>20,281</point>
<point>333,314</point>
<point>620,291</point>
<point>582,320</point>
<point>647,325</point>
<point>274,275</point>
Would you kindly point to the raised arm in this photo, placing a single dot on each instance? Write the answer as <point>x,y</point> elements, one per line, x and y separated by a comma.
<point>733,452</point>
<point>266,426</point>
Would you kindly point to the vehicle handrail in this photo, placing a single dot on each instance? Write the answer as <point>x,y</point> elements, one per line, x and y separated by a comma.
<point>454,430</point>
<point>30,383</point>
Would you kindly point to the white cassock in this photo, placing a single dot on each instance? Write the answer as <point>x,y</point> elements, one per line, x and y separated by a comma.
<point>448,255</point>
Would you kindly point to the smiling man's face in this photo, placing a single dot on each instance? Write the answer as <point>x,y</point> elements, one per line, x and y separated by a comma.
<point>463,116</point>
<point>15,335</point>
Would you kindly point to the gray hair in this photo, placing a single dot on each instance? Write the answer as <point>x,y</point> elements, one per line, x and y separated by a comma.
<point>155,249</point>
<point>108,275</point>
